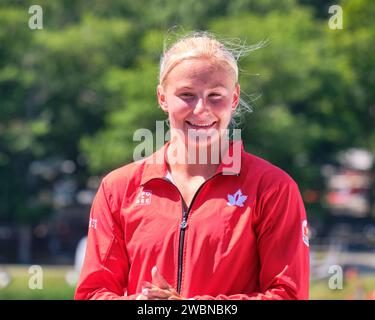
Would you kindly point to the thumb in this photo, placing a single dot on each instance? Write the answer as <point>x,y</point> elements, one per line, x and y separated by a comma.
<point>158,279</point>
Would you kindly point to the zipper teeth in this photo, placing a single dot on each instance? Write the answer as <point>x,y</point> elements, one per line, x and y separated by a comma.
<point>180,253</point>
<point>182,233</point>
<point>185,215</point>
<point>182,236</point>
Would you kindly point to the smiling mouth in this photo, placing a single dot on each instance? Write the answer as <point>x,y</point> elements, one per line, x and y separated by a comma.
<point>201,125</point>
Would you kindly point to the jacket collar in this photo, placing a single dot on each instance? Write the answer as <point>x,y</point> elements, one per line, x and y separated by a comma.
<point>156,164</point>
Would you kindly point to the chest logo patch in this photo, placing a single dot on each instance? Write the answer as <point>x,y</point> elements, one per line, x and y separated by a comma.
<point>236,199</point>
<point>143,198</point>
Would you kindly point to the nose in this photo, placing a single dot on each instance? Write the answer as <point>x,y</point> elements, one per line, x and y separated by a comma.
<point>200,107</point>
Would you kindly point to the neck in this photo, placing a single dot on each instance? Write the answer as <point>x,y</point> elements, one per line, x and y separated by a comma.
<point>193,161</point>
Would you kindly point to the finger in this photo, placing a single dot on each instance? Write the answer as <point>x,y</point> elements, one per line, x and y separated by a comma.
<point>156,293</point>
<point>158,279</point>
<point>146,284</point>
<point>173,297</point>
<point>142,297</point>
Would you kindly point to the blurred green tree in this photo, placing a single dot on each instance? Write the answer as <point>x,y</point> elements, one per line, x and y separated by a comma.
<point>81,87</point>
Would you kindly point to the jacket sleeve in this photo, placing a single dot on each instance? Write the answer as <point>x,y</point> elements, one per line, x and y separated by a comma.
<point>282,243</point>
<point>104,273</point>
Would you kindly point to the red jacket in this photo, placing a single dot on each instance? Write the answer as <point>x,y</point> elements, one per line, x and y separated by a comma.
<point>243,237</point>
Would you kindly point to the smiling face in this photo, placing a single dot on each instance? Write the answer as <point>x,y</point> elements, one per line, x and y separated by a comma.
<point>199,94</point>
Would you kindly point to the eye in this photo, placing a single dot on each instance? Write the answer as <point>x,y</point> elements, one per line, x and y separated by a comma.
<point>186,95</point>
<point>215,96</point>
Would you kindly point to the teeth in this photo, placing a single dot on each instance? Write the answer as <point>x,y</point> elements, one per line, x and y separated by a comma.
<point>201,125</point>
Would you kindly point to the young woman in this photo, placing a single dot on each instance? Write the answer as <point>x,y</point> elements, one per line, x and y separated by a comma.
<point>187,228</point>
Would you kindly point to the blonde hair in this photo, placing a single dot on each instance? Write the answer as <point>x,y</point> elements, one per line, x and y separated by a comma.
<point>203,44</point>
<point>197,45</point>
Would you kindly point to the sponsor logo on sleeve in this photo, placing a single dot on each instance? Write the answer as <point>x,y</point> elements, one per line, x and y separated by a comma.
<point>305,232</point>
<point>93,223</point>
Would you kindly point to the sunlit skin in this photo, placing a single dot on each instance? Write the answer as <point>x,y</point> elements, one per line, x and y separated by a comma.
<point>202,92</point>
<point>195,92</point>
<point>158,289</point>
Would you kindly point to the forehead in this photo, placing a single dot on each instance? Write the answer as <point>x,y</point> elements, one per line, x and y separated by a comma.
<point>201,71</point>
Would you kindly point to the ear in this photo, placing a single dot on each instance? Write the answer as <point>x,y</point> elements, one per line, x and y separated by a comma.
<point>236,97</point>
<point>162,98</point>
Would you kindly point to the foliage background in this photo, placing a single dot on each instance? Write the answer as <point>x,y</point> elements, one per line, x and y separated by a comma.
<point>73,93</point>
<point>81,86</point>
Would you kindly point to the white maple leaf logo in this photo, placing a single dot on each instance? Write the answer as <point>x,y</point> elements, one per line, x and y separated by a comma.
<point>236,199</point>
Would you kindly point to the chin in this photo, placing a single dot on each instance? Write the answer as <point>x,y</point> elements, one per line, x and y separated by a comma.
<point>203,138</point>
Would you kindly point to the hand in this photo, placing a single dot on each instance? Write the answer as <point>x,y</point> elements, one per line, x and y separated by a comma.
<point>159,289</point>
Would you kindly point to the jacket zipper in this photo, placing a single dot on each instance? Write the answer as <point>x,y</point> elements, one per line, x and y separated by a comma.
<point>183,225</point>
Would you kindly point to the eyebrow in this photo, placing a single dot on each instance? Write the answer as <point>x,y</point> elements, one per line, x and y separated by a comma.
<point>190,88</point>
<point>184,87</point>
